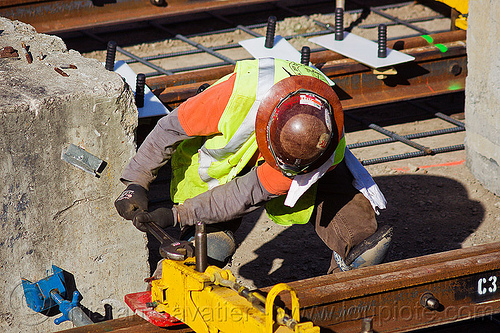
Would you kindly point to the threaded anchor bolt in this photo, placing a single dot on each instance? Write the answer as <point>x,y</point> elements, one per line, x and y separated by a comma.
<point>139,90</point>
<point>339,23</point>
<point>271,30</point>
<point>305,55</point>
<point>110,55</point>
<point>382,41</point>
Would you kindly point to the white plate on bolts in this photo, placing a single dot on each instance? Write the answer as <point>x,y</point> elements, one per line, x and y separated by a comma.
<point>362,50</point>
<point>281,49</point>
<point>152,105</point>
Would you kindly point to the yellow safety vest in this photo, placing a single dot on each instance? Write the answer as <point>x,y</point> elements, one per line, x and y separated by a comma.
<point>202,163</point>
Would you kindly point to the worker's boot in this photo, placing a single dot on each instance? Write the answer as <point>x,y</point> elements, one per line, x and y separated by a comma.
<point>369,252</point>
<point>220,245</point>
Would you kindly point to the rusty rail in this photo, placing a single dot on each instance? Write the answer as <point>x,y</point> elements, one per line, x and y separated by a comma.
<point>58,16</point>
<point>463,281</point>
<point>463,285</point>
<point>440,67</point>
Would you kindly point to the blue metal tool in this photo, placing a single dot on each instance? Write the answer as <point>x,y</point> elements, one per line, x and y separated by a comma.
<point>50,292</point>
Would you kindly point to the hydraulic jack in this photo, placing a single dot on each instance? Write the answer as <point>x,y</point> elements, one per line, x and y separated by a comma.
<point>208,299</point>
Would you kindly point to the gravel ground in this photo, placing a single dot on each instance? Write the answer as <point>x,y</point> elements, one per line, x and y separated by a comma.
<point>434,202</point>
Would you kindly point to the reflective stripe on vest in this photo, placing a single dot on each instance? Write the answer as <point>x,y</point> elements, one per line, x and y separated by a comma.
<point>204,162</point>
<point>207,156</point>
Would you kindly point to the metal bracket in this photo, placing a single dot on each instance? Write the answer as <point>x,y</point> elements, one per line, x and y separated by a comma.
<point>382,73</point>
<point>83,160</point>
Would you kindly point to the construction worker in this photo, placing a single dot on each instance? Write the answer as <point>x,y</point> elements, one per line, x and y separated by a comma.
<point>269,134</point>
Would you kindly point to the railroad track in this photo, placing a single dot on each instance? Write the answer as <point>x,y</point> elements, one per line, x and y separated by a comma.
<point>462,281</point>
<point>62,16</point>
<point>400,296</point>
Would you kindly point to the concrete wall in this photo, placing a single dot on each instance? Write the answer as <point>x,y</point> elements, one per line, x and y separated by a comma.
<point>482,111</point>
<point>52,212</point>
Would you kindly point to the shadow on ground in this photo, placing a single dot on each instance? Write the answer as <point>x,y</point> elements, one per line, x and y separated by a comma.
<point>430,214</point>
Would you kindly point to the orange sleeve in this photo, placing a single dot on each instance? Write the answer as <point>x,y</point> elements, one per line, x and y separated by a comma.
<point>273,180</point>
<point>200,114</point>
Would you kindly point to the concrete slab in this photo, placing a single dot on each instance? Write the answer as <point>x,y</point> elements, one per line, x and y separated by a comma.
<point>53,212</point>
<point>482,142</point>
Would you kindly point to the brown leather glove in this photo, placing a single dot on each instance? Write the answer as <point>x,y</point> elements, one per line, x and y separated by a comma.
<point>132,201</point>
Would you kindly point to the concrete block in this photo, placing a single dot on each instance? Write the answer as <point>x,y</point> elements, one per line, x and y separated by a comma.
<point>482,118</point>
<point>52,212</point>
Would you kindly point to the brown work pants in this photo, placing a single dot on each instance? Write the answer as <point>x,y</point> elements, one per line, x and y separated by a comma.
<point>343,217</point>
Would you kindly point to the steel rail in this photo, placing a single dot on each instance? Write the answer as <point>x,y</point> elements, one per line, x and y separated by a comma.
<point>463,284</point>
<point>431,74</point>
<point>463,281</point>
<point>58,16</point>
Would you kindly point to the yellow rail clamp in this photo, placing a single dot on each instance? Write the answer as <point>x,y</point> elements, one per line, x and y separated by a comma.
<point>298,327</point>
<point>213,302</point>
<point>461,6</point>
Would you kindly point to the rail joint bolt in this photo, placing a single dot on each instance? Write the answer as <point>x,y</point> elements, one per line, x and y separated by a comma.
<point>428,301</point>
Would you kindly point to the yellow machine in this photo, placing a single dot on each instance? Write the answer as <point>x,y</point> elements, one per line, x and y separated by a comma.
<point>207,298</point>
<point>461,6</point>
<point>212,301</point>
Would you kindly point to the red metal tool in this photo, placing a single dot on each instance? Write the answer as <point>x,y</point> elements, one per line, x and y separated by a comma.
<point>138,302</point>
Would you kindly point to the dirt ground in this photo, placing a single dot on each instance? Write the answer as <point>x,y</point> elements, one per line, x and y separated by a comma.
<point>434,202</point>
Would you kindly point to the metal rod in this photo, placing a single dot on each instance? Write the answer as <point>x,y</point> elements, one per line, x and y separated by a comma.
<point>110,55</point>
<point>270,32</point>
<point>393,18</point>
<point>339,23</point>
<point>305,55</point>
<point>128,54</point>
<point>409,137</point>
<point>382,41</point>
<point>393,135</point>
<point>139,90</point>
<point>438,114</point>
<point>200,240</point>
<point>248,31</point>
<point>197,45</point>
<point>412,154</point>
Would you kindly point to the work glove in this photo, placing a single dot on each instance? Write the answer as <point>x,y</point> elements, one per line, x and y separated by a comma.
<point>163,217</point>
<point>132,201</point>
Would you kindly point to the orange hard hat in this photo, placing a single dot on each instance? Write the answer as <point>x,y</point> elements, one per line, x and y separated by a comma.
<point>299,124</point>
